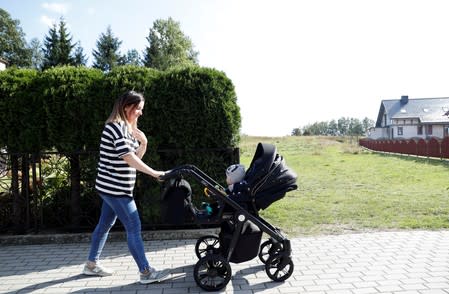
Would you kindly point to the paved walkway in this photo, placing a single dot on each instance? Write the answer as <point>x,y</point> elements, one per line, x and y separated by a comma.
<point>384,262</point>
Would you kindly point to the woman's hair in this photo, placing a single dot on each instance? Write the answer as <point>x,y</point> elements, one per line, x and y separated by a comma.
<point>118,112</point>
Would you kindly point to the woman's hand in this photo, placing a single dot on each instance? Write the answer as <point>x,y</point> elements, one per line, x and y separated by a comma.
<point>140,136</point>
<point>158,175</point>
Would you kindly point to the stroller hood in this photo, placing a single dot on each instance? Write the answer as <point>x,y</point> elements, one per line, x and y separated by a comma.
<point>268,176</point>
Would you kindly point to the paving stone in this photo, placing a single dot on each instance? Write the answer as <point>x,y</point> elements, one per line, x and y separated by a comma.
<point>380,262</point>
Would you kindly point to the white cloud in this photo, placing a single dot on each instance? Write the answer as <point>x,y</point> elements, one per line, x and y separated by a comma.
<point>61,8</point>
<point>47,20</point>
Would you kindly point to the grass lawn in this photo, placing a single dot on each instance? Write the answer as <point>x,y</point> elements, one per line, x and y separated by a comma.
<point>343,188</point>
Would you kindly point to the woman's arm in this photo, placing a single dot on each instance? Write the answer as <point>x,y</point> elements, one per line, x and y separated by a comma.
<point>141,150</point>
<point>134,161</point>
<point>140,136</point>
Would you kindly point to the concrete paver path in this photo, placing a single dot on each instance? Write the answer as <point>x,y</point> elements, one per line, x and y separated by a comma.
<point>381,262</point>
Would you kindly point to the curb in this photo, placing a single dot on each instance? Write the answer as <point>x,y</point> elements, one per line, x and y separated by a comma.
<point>113,236</point>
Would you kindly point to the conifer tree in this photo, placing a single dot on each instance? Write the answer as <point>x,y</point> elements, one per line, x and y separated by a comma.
<point>133,58</point>
<point>51,48</point>
<point>58,46</point>
<point>107,55</point>
<point>37,56</point>
<point>65,45</point>
<point>79,56</point>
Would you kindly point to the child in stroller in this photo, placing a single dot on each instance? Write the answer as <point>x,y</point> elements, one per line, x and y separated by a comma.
<point>234,174</point>
<point>267,180</point>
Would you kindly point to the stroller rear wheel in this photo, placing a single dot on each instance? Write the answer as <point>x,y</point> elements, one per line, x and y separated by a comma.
<point>212,272</point>
<point>269,248</point>
<point>279,267</point>
<point>209,244</point>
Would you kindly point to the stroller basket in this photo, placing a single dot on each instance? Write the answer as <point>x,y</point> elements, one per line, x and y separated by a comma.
<point>248,243</point>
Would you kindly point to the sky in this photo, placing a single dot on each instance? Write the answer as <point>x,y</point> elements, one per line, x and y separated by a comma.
<point>292,62</point>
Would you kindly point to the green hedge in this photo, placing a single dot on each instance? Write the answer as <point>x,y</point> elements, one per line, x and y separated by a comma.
<point>191,116</point>
<point>22,117</point>
<point>69,94</point>
<point>65,107</point>
<point>195,107</point>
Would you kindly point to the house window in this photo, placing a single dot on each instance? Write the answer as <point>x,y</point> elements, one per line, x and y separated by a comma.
<point>419,130</point>
<point>400,131</point>
<point>429,130</point>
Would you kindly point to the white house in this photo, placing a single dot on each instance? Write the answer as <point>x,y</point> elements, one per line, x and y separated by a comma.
<point>3,64</point>
<point>412,118</point>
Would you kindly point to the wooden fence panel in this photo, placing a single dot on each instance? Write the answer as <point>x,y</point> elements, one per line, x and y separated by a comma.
<point>411,147</point>
<point>398,146</point>
<point>445,148</point>
<point>389,146</point>
<point>422,147</point>
<point>433,148</point>
<point>384,145</point>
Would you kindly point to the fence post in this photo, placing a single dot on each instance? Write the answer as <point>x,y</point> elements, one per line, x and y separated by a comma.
<point>17,204</point>
<point>75,190</point>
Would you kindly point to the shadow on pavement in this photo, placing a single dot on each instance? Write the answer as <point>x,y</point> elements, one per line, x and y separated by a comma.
<point>34,287</point>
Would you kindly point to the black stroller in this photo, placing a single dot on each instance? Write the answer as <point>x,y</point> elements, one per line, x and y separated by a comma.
<point>267,179</point>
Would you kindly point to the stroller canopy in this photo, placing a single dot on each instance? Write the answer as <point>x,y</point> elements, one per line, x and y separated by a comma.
<point>268,176</point>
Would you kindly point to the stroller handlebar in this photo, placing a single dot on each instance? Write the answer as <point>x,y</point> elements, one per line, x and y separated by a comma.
<point>189,169</point>
<point>178,171</point>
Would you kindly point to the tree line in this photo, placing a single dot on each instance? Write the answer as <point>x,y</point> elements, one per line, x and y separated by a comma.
<point>344,126</point>
<point>167,47</point>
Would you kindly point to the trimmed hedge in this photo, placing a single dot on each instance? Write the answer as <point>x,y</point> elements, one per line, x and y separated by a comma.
<point>65,107</point>
<point>22,117</point>
<point>195,107</point>
<point>190,116</point>
<point>69,94</point>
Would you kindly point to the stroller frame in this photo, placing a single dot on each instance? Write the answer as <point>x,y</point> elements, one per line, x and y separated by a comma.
<point>218,192</point>
<point>212,272</point>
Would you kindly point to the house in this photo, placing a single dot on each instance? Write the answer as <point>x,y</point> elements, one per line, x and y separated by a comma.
<point>3,64</point>
<point>412,118</point>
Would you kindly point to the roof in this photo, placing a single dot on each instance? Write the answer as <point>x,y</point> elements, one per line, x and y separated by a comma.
<point>427,110</point>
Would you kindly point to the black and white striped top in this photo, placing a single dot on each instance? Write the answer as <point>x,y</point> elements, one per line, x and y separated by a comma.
<point>115,177</point>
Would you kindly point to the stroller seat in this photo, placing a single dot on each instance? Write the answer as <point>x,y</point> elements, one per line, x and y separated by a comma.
<point>267,179</point>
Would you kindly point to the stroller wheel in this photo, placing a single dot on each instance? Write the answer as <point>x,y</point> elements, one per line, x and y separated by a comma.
<point>268,248</point>
<point>212,272</point>
<point>279,268</point>
<point>208,244</point>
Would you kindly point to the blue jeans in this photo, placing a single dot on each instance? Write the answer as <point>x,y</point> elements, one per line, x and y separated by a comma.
<point>123,208</point>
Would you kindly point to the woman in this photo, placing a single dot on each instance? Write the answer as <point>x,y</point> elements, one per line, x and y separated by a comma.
<point>122,147</point>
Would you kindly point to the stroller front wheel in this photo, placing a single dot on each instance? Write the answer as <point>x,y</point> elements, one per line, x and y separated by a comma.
<point>212,272</point>
<point>279,267</point>
<point>209,244</point>
<point>268,249</point>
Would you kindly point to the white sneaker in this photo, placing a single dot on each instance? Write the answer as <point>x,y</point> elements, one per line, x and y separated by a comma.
<point>154,276</point>
<point>98,270</point>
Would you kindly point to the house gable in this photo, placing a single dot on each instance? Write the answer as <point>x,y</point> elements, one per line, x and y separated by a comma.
<point>404,118</point>
<point>426,110</point>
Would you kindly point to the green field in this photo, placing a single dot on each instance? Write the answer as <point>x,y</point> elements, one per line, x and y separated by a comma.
<point>343,188</point>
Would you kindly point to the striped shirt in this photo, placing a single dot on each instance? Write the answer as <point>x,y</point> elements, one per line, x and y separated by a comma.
<point>115,177</point>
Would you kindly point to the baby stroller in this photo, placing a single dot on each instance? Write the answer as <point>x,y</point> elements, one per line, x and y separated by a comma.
<point>267,180</point>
